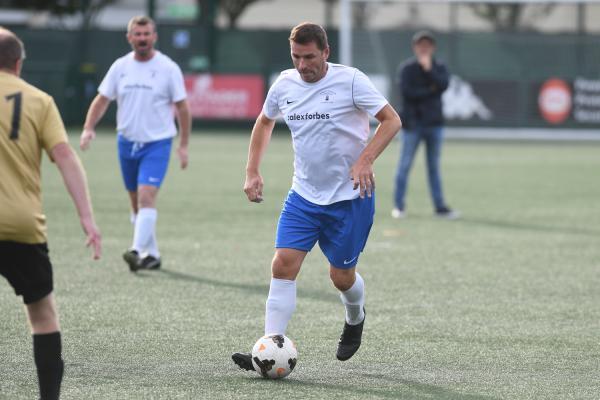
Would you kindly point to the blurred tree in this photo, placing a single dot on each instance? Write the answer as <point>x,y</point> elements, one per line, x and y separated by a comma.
<point>234,9</point>
<point>329,4</point>
<point>88,8</point>
<point>510,16</point>
<point>360,15</point>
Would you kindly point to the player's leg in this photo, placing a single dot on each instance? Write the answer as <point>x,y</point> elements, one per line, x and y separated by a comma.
<point>145,222</point>
<point>47,346</point>
<point>133,201</point>
<point>410,144</point>
<point>281,302</point>
<point>352,292</point>
<point>29,271</point>
<point>153,247</point>
<point>154,162</point>
<point>342,242</point>
<point>297,233</point>
<point>128,161</point>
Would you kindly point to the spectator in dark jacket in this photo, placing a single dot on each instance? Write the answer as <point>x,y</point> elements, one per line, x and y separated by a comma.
<point>422,80</point>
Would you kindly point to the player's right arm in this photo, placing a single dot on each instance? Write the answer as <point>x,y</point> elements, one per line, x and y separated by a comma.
<point>74,177</point>
<point>94,114</point>
<point>261,135</point>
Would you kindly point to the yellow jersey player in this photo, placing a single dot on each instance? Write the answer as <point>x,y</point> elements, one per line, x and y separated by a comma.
<point>30,123</point>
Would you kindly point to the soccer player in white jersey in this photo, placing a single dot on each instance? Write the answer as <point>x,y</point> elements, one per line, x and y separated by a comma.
<point>326,107</point>
<point>146,84</point>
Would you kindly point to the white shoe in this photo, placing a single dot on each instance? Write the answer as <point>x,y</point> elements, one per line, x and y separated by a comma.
<point>398,213</point>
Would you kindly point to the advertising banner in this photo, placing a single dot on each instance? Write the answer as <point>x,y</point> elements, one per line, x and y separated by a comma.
<point>554,102</point>
<point>223,96</point>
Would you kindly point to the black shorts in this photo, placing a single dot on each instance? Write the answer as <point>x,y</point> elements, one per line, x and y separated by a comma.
<point>27,268</point>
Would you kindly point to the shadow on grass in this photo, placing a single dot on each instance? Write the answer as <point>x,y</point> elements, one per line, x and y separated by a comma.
<point>246,287</point>
<point>403,388</point>
<point>512,225</point>
<point>529,227</point>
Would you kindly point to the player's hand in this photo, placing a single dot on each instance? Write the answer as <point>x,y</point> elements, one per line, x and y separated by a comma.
<point>253,187</point>
<point>86,137</point>
<point>182,153</point>
<point>364,178</point>
<point>94,239</point>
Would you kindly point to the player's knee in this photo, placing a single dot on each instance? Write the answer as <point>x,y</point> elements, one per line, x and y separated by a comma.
<point>342,279</point>
<point>283,267</point>
<point>146,199</point>
<point>43,317</point>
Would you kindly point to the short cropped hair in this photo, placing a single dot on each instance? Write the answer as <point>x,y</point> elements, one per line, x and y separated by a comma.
<point>307,32</point>
<point>140,20</point>
<point>11,49</point>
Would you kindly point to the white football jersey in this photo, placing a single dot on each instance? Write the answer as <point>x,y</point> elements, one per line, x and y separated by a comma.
<point>329,121</point>
<point>145,92</point>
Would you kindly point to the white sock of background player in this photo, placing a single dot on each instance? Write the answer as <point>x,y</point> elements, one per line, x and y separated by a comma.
<point>145,223</point>
<point>152,248</point>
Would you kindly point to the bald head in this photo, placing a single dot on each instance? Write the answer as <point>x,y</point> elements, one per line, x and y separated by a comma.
<point>11,50</point>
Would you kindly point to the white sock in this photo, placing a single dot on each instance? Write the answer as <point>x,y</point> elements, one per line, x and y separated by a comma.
<point>145,223</point>
<point>132,218</point>
<point>281,304</point>
<point>153,246</point>
<point>354,301</point>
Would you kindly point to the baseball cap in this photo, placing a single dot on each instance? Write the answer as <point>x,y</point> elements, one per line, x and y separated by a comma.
<point>420,35</point>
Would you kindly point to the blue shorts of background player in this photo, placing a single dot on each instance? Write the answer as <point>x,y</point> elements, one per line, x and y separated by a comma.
<point>143,163</point>
<point>341,228</point>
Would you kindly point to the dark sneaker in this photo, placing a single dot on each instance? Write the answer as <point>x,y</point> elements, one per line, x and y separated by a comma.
<point>447,213</point>
<point>132,258</point>
<point>243,360</point>
<point>350,340</point>
<point>150,262</point>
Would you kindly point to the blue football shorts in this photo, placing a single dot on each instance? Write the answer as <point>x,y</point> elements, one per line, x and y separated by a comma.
<point>143,163</point>
<point>341,228</point>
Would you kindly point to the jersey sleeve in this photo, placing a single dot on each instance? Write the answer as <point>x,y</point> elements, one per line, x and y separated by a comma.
<point>177,84</point>
<point>52,129</point>
<point>108,86</point>
<point>365,96</point>
<point>271,106</point>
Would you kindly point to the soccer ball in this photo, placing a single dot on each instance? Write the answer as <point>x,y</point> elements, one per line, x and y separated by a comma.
<point>274,356</point>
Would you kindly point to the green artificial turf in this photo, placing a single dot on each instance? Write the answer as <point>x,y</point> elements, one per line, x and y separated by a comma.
<point>502,304</point>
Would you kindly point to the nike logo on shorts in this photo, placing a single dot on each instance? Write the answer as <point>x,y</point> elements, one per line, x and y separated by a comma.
<point>346,262</point>
<point>151,179</point>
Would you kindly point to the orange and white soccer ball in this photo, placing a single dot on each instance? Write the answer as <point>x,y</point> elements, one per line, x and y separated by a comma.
<point>274,356</point>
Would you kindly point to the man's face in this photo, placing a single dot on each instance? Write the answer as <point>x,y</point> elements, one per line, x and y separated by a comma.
<point>310,62</point>
<point>424,48</point>
<point>142,39</point>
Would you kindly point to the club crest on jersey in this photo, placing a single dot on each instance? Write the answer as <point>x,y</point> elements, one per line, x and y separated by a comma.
<point>327,96</point>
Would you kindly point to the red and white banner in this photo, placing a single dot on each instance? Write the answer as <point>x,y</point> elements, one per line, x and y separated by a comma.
<point>555,101</point>
<point>221,96</point>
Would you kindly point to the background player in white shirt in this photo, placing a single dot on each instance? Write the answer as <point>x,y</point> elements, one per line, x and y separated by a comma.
<point>326,107</point>
<point>146,84</point>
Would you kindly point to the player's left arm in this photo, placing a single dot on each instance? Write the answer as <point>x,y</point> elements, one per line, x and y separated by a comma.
<point>184,119</point>
<point>75,181</point>
<point>362,171</point>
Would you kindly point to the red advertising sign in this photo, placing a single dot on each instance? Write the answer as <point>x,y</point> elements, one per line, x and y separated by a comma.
<point>219,96</point>
<point>555,101</point>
